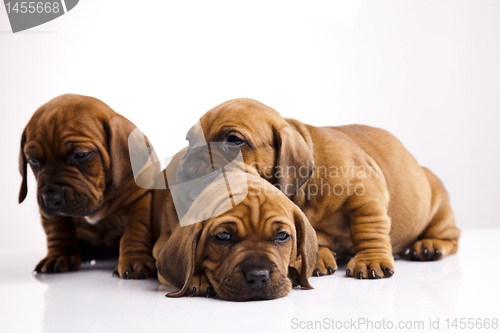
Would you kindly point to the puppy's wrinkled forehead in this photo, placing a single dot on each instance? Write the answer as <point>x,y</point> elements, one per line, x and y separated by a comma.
<point>264,203</point>
<point>66,119</point>
<point>249,117</point>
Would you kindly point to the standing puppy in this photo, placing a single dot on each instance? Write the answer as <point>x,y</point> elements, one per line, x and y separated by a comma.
<point>89,203</point>
<point>363,192</point>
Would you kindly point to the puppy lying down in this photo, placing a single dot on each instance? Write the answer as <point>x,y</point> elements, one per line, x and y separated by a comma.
<point>256,250</point>
<point>362,191</point>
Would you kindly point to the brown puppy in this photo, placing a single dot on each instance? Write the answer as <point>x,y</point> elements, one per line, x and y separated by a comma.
<point>248,252</point>
<point>89,203</point>
<point>363,192</point>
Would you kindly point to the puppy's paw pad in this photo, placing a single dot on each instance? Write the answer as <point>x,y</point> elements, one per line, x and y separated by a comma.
<point>136,267</point>
<point>370,267</point>
<point>59,264</point>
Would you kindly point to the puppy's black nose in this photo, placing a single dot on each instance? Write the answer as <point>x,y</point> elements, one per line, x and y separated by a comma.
<point>257,278</point>
<point>186,170</point>
<point>196,163</point>
<point>52,199</point>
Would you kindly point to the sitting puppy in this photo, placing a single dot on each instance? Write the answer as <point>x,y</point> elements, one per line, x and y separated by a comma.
<point>89,203</point>
<point>253,251</point>
<point>362,191</point>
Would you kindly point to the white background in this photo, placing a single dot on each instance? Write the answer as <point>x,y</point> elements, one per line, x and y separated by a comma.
<point>427,71</point>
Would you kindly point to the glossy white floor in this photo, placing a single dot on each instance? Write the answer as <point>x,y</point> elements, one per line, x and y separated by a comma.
<point>464,285</point>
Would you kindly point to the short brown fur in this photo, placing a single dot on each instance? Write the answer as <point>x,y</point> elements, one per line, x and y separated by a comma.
<point>193,260</point>
<point>99,188</point>
<point>404,208</point>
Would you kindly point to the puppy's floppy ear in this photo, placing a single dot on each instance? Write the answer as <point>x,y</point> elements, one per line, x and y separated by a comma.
<point>118,128</point>
<point>176,261</point>
<point>23,168</point>
<point>307,247</point>
<point>295,162</point>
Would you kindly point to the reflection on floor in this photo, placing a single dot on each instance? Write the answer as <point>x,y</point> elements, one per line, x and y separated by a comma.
<point>91,300</point>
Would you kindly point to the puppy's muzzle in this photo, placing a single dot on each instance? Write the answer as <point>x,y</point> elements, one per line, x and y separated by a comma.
<point>195,164</point>
<point>257,278</point>
<point>256,274</point>
<point>53,196</point>
<point>203,160</point>
<point>53,199</point>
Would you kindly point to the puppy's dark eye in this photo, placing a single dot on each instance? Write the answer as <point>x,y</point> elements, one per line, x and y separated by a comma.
<point>223,236</point>
<point>81,156</point>
<point>235,140</point>
<point>282,236</point>
<point>33,161</point>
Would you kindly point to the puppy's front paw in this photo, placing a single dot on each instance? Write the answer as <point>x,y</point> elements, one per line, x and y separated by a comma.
<point>200,286</point>
<point>59,263</point>
<point>429,249</point>
<point>136,266</point>
<point>326,264</point>
<point>370,266</point>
